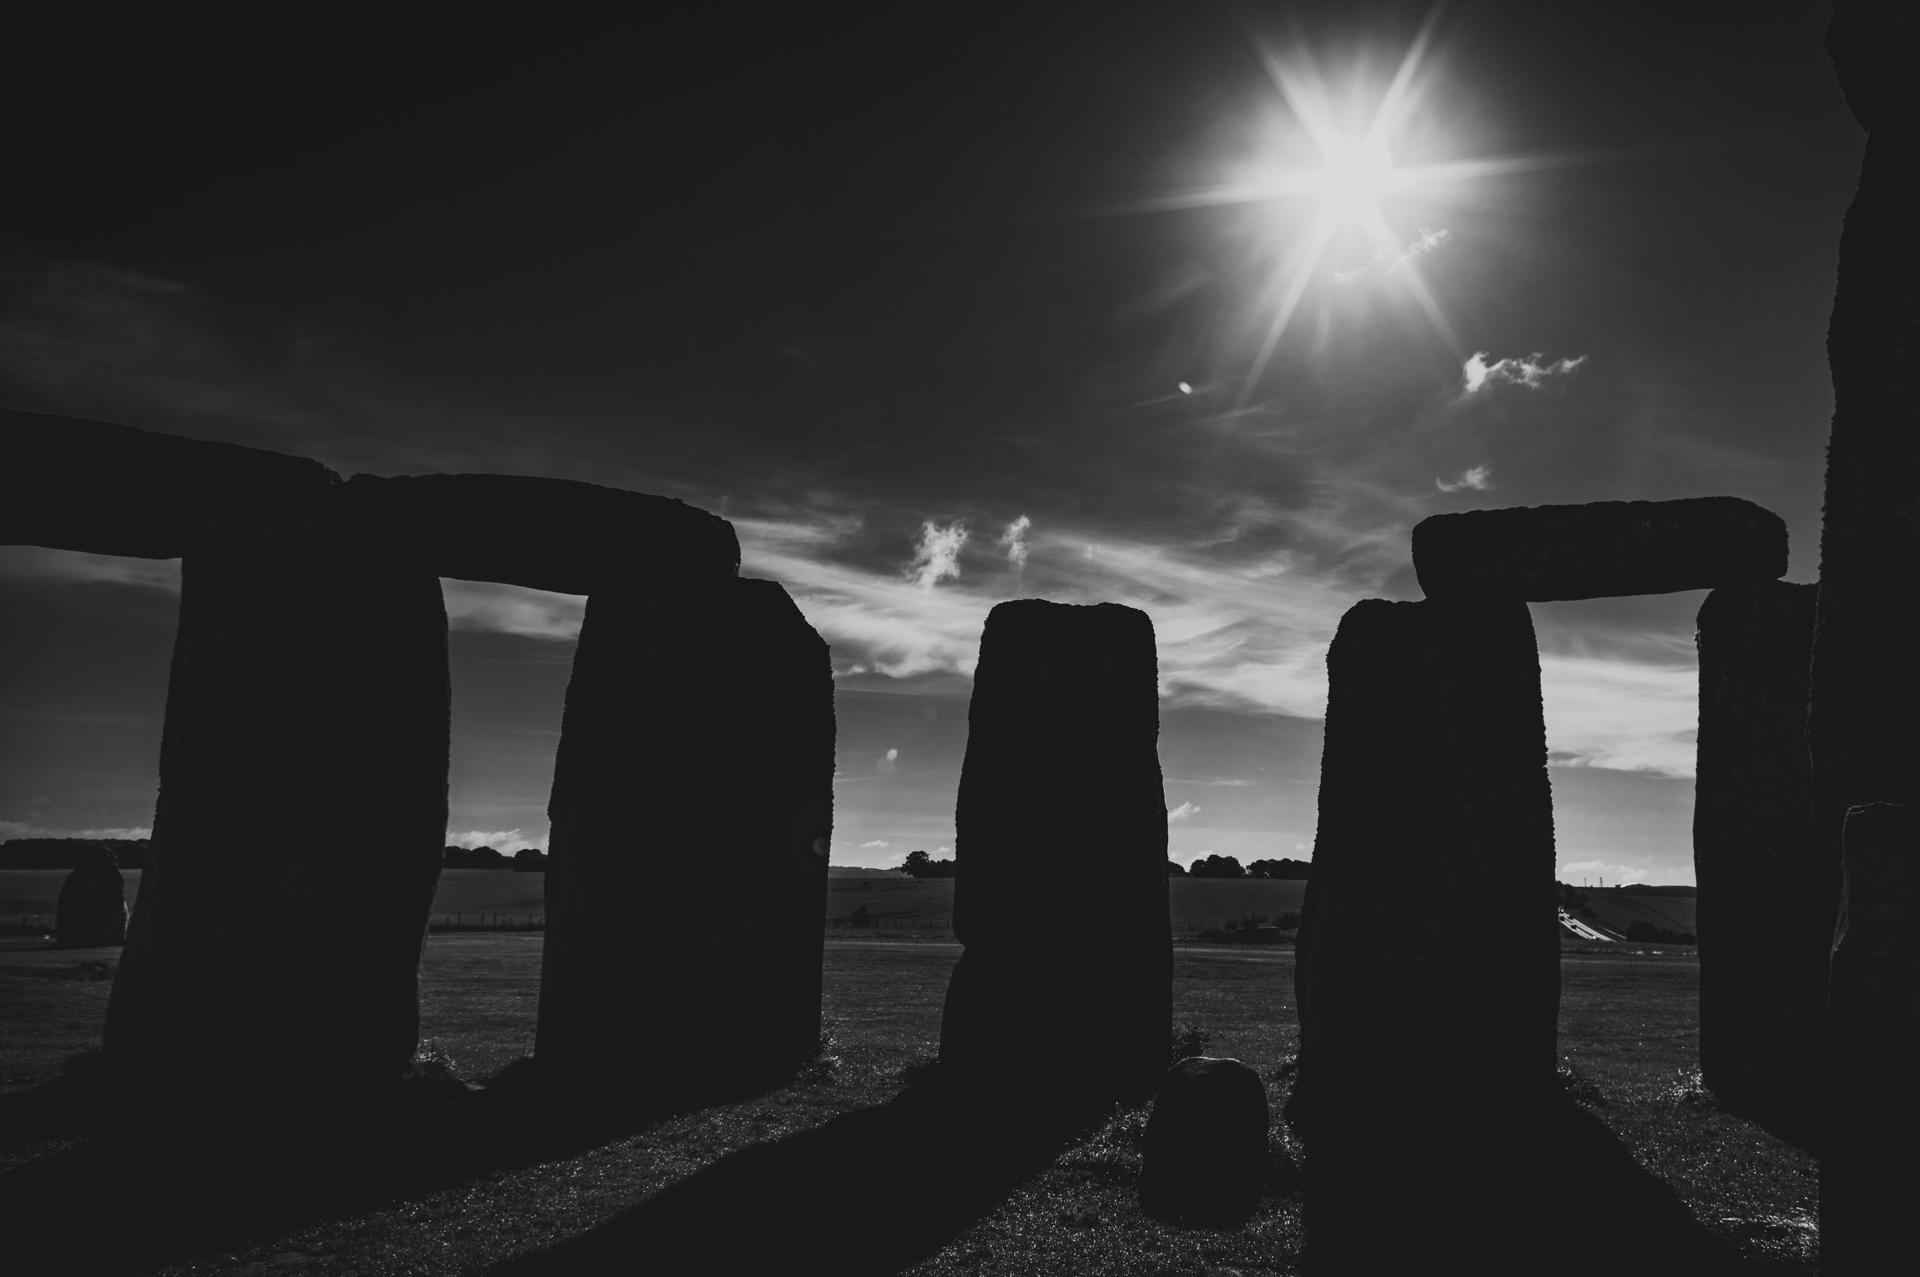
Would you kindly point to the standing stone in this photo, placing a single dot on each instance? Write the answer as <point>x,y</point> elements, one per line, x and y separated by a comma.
<point>1599,549</point>
<point>1768,895</point>
<point>1061,885</point>
<point>692,813</point>
<point>1428,944</point>
<point>93,903</point>
<point>274,948</point>
<point>1870,1168</point>
<point>1204,1156</point>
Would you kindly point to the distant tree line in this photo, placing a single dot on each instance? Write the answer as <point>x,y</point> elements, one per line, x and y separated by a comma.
<point>526,860</point>
<point>919,864</point>
<point>1230,867</point>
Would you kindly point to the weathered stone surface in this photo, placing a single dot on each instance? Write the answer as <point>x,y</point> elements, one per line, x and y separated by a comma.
<point>1428,942</point>
<point>547,534</point>
<point>1870,1167</point>
<point>1204,1157</point>
<point>695,764</point>
<point>275,941</point>
<point>1061,889</point>
<point>1768,893</point>
<point>73,484</point>
<point>1599,549</point>
<point>93,903</point>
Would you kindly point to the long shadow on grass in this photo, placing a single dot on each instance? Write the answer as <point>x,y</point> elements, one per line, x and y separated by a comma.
<point>868,1192</point>
<point>1470,1179</point>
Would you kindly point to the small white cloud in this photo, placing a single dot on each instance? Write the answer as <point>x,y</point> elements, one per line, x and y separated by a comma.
<point>1186,388</point>
<point>1531,371</point>
<point>887,761</point>
<point>877,842</point>
<point>937,556</point>
<point>942,850</point>
<point>1478,478</point>
<point>1014,541</point>
<point>1185,811</point>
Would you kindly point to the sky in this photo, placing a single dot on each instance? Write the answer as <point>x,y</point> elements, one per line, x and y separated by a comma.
<point>1194,307</point>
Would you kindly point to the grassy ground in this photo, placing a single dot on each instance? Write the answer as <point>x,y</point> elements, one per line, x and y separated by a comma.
<point>822,1167</point>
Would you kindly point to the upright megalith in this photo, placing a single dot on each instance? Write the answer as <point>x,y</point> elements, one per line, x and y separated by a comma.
<point>546,534</point>
<point>1767,893</point>
<point>274,946</point>
<point>1599,549</point>
<point>1429,947</point>
<point>101,488</point>
<point>92,909</point>
<point>1061,885</point>
<point>691,816</point>
<point>1870,1162</point>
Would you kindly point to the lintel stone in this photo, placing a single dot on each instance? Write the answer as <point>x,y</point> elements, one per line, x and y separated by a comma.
<point>1600,549</point>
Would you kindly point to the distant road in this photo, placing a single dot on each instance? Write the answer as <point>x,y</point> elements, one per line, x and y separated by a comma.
<point>1582,930</point>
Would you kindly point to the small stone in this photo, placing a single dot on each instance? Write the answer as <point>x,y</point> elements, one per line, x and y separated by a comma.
<point>93,903</point>
<point>1204,1157</point>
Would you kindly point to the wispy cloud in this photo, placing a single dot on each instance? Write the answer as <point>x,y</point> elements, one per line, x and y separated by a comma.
<point>875,843</point>
<point>1386,262</point>
<point>513,609</point>
<point>1477,478</point>
<point>35,563</point>
<point>1532,371</point>
<point>937,556</point>
<point>508,840</point>
<point>1014,541</point>
<point>1623,714</point>
<point>1184,812</point>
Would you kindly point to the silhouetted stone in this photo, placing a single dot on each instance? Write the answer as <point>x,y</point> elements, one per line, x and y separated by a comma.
<point>93,903</point>
<point>1599,549</point>
<point>547,534</point>
<point>1768,895</point>
<point>1060,892</point>
<point>1866,683</point>
<point>691,817</point>
<point>274,946</point>
<point>1870,1167</point>
<point>1429,947</point>
<point>1204,1158</point>
<point>100,488</point>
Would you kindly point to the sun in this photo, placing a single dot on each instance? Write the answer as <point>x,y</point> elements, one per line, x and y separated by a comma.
<point>1356,175</point>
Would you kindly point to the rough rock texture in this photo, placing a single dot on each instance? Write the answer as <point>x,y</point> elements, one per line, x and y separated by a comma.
<point>1866,684</point>
<point>1870,1168</point>
<point>73,484</point>
<point>93,903</point>
<point>1434,807</point>
<point>275,942</point>
<point>547,534</point>
<point>1060,893</point>
<point>1768,895</point>
<point>695,764</point>
<point>1204,1158</point>
<point>1599,549</point>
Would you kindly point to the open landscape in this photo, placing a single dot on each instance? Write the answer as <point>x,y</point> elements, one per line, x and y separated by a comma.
<point>814,1157</point>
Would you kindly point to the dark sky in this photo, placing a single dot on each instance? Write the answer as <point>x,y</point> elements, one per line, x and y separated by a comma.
<point>861,284</point>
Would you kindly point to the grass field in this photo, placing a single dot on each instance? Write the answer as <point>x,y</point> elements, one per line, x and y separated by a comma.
<point>849,1189</point>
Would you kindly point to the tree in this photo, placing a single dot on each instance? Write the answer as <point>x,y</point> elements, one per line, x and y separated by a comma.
<point>1175,869</point>
<point>1217,867</point>
<point>916,864</point>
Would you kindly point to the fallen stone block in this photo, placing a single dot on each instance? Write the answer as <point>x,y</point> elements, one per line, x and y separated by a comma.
<point>1204,1156</point>
<point>1600,549</point>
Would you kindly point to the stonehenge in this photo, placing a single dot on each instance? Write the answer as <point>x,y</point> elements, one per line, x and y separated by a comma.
<point>1767,899</point>
<point>302,811</point>
<point>1060,892</point>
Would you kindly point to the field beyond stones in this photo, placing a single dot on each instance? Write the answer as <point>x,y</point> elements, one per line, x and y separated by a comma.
<point>807,1169</point>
